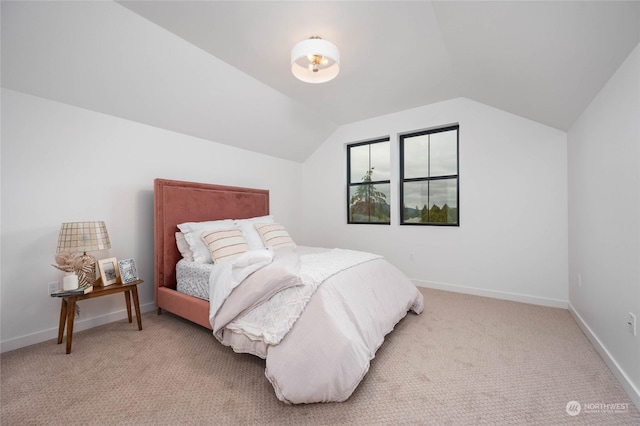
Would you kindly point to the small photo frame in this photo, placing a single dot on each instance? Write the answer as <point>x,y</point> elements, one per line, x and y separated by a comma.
<point>128,271</point>
<point>109,271</point>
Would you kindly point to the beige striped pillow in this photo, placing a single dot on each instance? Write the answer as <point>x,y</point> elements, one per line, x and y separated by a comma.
<point>274,235</point>
<point>225,244</point>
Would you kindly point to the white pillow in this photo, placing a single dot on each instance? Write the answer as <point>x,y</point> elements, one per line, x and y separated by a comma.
<point>192,232</point>
<point>225,244</point>
<point>183,247</point>
<point>250,232</point>
<point>274,235</point>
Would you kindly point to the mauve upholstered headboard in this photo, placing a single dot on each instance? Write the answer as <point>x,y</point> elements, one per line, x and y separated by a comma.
<point>177,202</point>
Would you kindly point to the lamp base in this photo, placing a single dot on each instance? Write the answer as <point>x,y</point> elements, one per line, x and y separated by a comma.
<point>87,273</point>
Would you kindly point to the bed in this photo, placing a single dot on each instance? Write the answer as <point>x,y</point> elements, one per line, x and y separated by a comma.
<point>344,310</point>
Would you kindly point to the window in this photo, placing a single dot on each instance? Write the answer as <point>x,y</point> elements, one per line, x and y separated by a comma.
<point>368,182</point>
<point>430,185</point>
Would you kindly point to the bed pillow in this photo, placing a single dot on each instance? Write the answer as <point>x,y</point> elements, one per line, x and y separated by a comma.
<point>250,232</point>
<point>225,244</point>
<point>183,247</point>
<point>274,235</point>
<point>192,232</point>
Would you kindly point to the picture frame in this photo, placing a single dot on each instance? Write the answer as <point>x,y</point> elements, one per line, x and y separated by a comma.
<point>128,271</point>
<point>109,271</point>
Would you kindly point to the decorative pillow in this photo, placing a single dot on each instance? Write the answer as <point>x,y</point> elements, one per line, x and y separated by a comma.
<point>183,247</point>
<point>249,231</point>
<point>225,244</point>
<point>192,232</point>
<point>274,235</point>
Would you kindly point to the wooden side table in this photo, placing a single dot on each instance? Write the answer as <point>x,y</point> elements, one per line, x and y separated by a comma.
<point>68,308</point>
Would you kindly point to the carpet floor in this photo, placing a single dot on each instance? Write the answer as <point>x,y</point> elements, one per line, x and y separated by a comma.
<point>466,360</point>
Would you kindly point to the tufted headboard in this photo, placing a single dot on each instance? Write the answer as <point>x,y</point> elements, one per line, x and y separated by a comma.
<point>177,202</point>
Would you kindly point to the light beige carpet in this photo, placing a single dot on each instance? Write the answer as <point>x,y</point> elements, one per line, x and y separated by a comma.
<point>465,360</point>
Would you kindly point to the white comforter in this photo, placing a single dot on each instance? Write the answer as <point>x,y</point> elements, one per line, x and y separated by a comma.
<point>317,316</point>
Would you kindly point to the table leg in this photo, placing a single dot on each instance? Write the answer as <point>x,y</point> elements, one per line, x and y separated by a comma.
<point>127,299</point>
<point>63,319</point>
<point>71,313</point>
<point>136,304</point>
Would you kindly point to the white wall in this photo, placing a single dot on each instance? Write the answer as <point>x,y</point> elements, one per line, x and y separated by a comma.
<point>604,221</point>
<point>103,57</point>
<point>512,239</point>
<point>62,163</point>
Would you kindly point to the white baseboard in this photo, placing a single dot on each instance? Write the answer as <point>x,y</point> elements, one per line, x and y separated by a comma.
<point>515,297</point>
<point>629,387</point>
<point>78,325</point>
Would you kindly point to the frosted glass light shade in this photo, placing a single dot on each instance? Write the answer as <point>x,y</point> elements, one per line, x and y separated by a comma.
<point>315,60</point>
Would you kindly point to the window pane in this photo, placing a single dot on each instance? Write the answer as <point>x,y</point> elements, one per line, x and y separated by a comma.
<point>416,198</point>
<point>416,156</point>
<point>375,156</point>
<point>369,203</point>
<point>359,163</point>
<point>432,201</point>
<point>443,148</point>
<point>380,161</point>
<point>443,199</point>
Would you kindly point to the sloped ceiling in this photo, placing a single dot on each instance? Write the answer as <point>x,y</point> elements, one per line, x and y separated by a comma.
<point>219,70</point>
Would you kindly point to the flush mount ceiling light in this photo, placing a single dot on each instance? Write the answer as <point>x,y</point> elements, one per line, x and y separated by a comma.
<point>315,60</point>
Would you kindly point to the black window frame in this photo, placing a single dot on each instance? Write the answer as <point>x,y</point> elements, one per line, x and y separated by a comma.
<point>401,139</point>
<point>377,182</point>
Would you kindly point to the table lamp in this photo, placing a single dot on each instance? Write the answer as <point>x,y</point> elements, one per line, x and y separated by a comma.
<point>83,236</point>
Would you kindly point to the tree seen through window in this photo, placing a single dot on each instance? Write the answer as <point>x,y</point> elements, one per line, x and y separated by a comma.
<point>368,166</point>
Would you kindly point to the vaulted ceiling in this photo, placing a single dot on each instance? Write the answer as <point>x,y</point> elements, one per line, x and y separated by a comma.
<point>220,70</point>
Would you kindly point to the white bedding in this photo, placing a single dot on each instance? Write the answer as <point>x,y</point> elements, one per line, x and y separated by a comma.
<point>271,320</point>
<point>318,349</point>
<point>192,278</point>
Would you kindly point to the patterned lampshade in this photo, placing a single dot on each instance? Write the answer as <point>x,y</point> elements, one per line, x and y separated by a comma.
<point>83,236</point>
